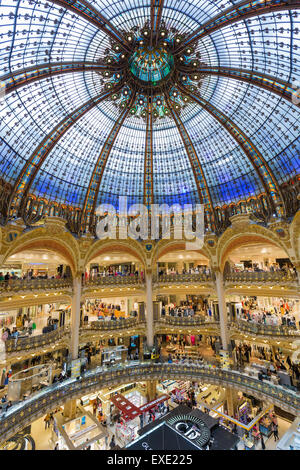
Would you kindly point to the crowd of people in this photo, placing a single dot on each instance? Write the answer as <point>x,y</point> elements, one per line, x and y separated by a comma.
<point>30,274</point>
<point>193,270</point>
<point>273,267</point>
<point>281,315</point>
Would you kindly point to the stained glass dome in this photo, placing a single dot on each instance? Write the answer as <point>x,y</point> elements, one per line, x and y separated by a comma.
<point>78,130</point>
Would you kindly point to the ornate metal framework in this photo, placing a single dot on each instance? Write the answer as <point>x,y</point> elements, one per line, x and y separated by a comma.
<point>148,76</point>
<point>240,12</point>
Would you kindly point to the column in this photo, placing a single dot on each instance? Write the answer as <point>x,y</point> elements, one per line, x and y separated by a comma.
<point>75,317</point>
<point>149,309</point>
<point>70,409</point>
<point>222,310</point>
<point>151,390</point>
<point>231,401</point>
<point>141,350</point>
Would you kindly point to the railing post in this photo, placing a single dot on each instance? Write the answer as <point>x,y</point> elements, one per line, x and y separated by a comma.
<point>75,316</point>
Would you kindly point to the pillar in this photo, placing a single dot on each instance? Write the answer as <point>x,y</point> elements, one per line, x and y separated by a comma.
<point>75,318</point>
<point>231,401</point>
<point>222,310</point>
<point>149,309</point>
<point>151,390</point>
<point>141,349</point>
<point>70,409</point>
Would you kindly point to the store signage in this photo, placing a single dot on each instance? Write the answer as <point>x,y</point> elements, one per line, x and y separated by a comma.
<point>191,427</point>
<point>153,403</point>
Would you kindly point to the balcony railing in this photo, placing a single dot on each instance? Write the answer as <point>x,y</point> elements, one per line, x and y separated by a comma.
<point>187,321</point>
<point>34,342</point>
<point>24,413</point>
<point>114,281</point>
<point>182,278</point>
<point>118,324</point>
<point>264,330</point>
<point>264,276</point>
<point>22,285</point>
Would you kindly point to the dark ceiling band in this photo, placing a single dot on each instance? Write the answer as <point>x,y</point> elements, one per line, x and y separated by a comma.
<point>34,163</point>
<point>258,162</point>
<point>267,82</point>
<point>239,12</point>
<point>89,207</point>
<point>201,183</point>
<point>89,13</point>
<point>13,81</point>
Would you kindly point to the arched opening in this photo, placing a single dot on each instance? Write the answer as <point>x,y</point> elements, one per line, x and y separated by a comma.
<point>114,276</point>
<point>39,269</point>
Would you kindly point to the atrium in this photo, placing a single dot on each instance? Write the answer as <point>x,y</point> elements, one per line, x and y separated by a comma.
<point>149,225</point>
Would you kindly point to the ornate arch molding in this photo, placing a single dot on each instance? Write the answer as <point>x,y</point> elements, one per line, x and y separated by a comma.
<point>166,246</point>
<point>100,247</point>
<point>59,241</point>
<point>237,235</point>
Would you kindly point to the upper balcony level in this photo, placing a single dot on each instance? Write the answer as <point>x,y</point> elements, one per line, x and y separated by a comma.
<point>136,282</point>
<point>20,286</point>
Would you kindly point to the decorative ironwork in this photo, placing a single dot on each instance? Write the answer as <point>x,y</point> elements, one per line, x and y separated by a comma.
<point>17,417</point>
<point>239,12</point>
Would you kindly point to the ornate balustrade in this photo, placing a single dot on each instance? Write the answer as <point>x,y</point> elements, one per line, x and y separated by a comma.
<point>32,285</point>
<point>187,321</point>
<point>264,330</point>
<point>114,281</point>
<point>118,324</point>
<point>35,342</point>
<point>182,278</point>
<point>261,277</point>
<point>24,413</point>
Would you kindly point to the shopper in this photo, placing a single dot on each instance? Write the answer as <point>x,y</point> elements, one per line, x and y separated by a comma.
<point>47,421</point>
<point>263,446</point>
<point>275,431</point>
<point>112,442</point>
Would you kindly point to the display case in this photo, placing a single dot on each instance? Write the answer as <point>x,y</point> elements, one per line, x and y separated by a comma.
<point>265,426</point>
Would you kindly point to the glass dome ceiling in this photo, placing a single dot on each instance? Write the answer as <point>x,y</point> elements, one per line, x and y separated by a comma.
<point>78,129</point>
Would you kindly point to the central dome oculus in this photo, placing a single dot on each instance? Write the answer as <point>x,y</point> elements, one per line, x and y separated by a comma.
<point>151,65</point>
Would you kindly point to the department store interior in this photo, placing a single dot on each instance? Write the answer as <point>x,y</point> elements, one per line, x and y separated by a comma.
<point>145,343</point>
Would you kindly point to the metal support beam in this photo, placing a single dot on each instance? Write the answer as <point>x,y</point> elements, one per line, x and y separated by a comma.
<point>15,80</point>
<point>90,201</point>
<point>256,159</point>
<point>148,164</point>
<point>202,187</point>
<point>269,83</point>
<point>92,15</point>
<point>34,163</point>
<point>239,12</point>
<point>156,13</point>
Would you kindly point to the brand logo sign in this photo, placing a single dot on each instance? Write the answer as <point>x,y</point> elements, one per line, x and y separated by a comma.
<point>192,428</point>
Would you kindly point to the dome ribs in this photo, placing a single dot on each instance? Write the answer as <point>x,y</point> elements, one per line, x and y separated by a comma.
<point>201,183</point>
<point>92,15</point>
<point>13,81</point>
<point>239,12</point>
<point>32,166</point>
<point>267,82</point>
<point>90,201</point>
<point>256,159</point>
